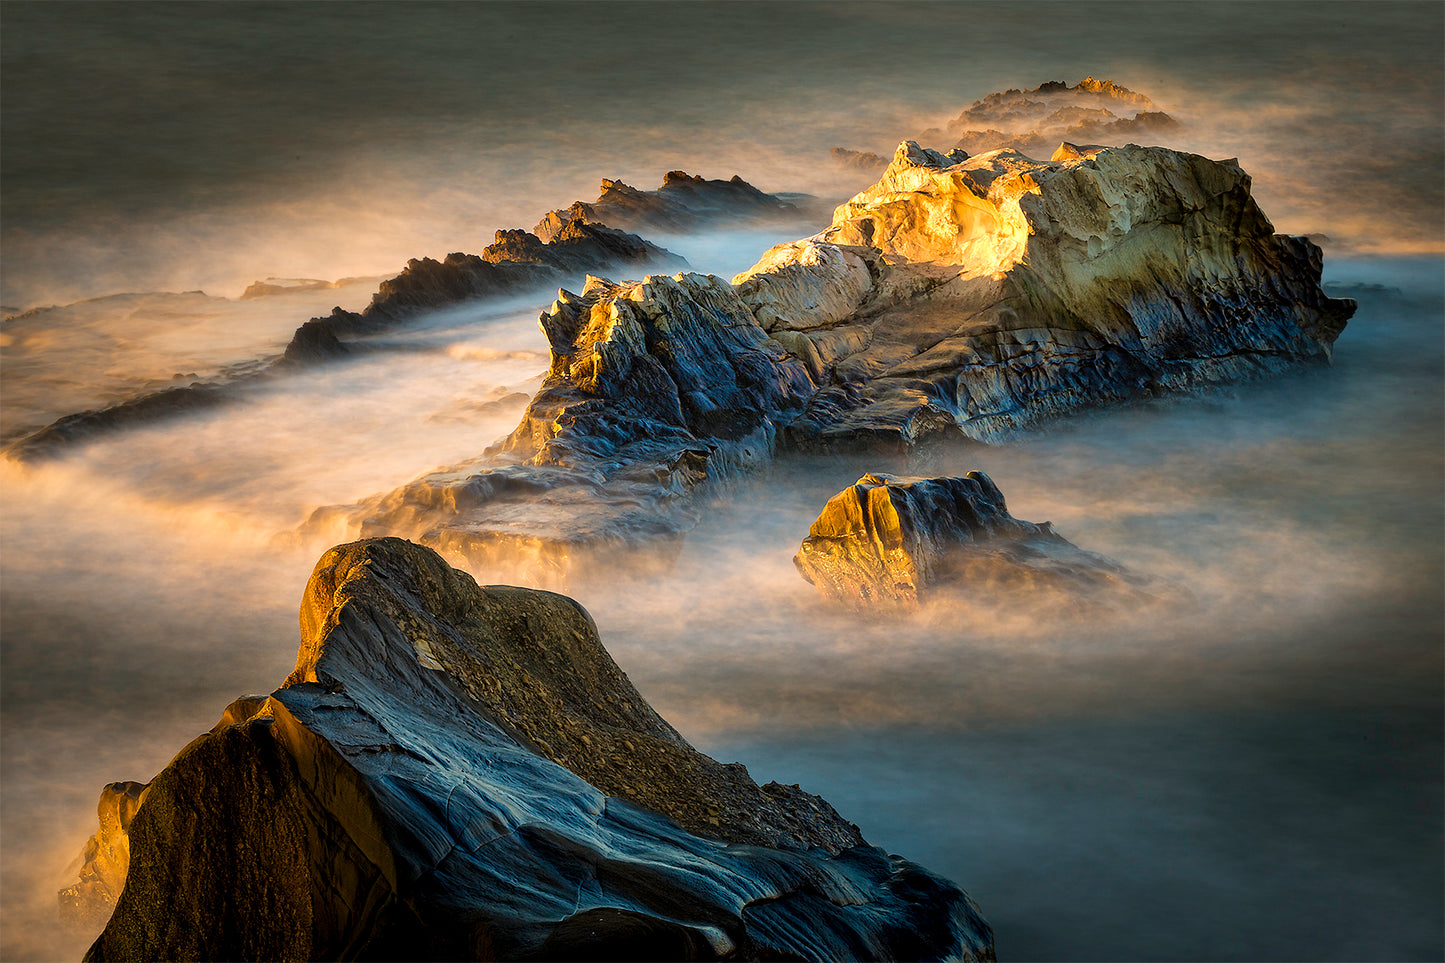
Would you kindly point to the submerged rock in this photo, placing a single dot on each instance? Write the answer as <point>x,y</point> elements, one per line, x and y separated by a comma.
<point>683,204</point>
<point>457,772</point>
<point>888,542</point>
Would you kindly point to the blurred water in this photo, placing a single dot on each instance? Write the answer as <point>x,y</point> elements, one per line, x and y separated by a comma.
<point>1256,778</point>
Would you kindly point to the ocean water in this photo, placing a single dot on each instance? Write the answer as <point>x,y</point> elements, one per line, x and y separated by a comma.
<point>1258,777</point>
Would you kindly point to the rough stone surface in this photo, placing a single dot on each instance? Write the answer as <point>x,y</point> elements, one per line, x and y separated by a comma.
<point>963,299</point>
<point>655,388</point>
<point>887,542</point>
<point>1005,291</point>
<point>515,263</point>
<point>683,204</point>
<point>456,772</point>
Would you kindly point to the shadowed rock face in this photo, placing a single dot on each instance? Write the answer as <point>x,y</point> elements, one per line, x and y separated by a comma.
<point>455,772</point>
<point>516,262</point>
<point>684,203</point>
<point>654,389</point>
<point>887,542</point>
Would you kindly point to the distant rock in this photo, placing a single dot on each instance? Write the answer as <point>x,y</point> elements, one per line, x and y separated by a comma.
<point>887,543</point>
<point>864,161</point>
<point>515,263</point>
<point>683,204</point>
<point>271,287</point>
<point>1033,122</point>
<point>456,772</point>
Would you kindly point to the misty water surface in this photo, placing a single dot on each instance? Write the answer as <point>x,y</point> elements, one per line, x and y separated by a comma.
<point>1256,777</point>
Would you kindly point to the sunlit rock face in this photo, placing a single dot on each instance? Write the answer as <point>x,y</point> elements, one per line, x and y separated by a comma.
<point>654,389</point>
<point>1003,291</point>
<point>106,857</point>
<point>683,204</point>
<point>886,543</point>
<point>458,772</point>
<point>1034,121</point>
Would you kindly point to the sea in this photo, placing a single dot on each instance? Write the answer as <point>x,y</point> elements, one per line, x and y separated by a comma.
<point>1257,776</point>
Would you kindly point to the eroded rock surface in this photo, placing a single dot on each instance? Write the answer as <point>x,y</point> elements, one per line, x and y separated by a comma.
<point>887,542</point>
<point>973,297</point>
<point>683,204</point>
<point>457,772</point>
<point>960,298</point>
<point>516,262</point>
<point>654,389</point>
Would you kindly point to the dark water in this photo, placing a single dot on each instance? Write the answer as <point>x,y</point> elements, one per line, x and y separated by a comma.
<point>1257,778</point>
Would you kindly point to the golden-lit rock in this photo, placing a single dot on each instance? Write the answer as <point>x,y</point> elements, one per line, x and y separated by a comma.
<point>886,543</point>
<point>462,772</point>
<point>1006,291</point>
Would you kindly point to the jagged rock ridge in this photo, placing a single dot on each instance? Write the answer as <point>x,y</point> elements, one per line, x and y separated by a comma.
<point>959,298</point>
<point>886,543</point>
<point>654,388</point>
<point>684,203</point>
<point>455,772</point>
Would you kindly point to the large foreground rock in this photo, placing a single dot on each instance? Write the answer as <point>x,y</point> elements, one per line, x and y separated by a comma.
<point>455,772</point>
<point>886,543</point>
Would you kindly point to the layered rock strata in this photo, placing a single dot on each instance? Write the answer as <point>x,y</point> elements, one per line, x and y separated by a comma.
<point>958,299</point>
<point>886,543</point>
<point>457,772</point>
<point>654,389</point>
<point>683,204</point>
<point>974,297</point>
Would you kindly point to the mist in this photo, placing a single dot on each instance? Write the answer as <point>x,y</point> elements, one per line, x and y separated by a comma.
<point>1255,774</point>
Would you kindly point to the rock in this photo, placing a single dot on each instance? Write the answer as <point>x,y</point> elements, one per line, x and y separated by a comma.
<point>1004,291</point>
<point>271,287</point>
<point>1033,121</point>
<point>683,204</point>
<point>655,389</point>
<point>959,299</point>
<point>515,263</point>
<point>888,543</point>
<point>105,859</point>
<point>456,772</point>
<point>865,161</point>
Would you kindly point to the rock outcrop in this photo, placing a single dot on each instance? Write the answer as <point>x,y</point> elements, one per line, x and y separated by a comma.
<point>974,297</point>
<point>959,299</point>
<point>655,388</point>
<point>456,772</point>
<point>1034,121</point>
<point>683,204</point>
<point>887,543</point>
<point>516,262</point>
